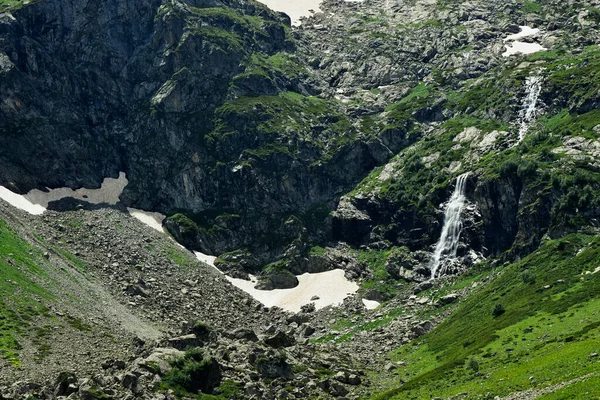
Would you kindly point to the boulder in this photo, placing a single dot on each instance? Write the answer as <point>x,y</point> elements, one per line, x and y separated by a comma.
<point>280,339</point>
<point>448,299</point>
<point>277,279</point>
<point>65,384</point>
<point>160,359</point>
<point>185,342</point>
<point>244,334</point>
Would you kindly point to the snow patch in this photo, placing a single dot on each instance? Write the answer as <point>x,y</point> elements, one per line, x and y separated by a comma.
<point>296,9</point>
<point>330,287</point>
<point>523,48</point>
<point>36,201</point>
<point>518,46</point>
<point>370,304</point>
<point>526,31</point>
<point>206,259</point>
<point>152,219</point>
<point>109,193</point>
<point>19,201</point>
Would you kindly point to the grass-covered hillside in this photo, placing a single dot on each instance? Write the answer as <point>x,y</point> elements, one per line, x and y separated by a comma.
<point>535,326</point>
<point>24,299</point>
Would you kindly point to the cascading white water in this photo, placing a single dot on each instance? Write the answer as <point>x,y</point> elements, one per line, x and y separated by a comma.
<point>448,243</point>
<point>528,110</point>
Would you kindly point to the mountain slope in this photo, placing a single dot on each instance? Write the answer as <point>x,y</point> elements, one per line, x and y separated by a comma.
<point>281,150</point>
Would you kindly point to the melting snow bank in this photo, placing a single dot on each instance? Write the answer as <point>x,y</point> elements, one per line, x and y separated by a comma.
<point>518,46</point>
<point>152,219</point>
<point>109,193</point>
<point>330,287</point>
<point>296,9</point>
<point>21,202</point>
<point>526,31</point>
<point>206,259</point>
<point>36,201</point>
<point>370,304</point>
<point>523,48</point>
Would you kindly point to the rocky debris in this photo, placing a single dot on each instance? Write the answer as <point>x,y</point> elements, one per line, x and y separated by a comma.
<point>421,287</point>
<point>280,339</point>
<point>347,378</point>
<point>66,384</point>
<point>244,334</point>
<point>406,265</point>
<point>148,281</point>
<point>448,299</point>
<point>160,359</point>
<point>421,328</point>
<point>117,251</point>
<point>185,342</point>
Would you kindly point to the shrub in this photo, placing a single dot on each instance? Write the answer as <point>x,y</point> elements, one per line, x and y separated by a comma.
<point>192,373</point>
<point>202,330</point>
<point>473,365</point>
<point>498,310</point>
<point>528,277</point>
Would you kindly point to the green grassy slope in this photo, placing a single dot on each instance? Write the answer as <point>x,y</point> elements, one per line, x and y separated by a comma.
<point>22,298</point>
<point>550,327</point>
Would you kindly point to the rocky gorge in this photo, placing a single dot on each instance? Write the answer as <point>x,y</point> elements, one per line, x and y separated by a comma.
<point>282,149</point>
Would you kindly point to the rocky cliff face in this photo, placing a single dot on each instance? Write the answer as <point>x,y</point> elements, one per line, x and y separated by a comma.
<point>248,134</point>
<point>188,98</point>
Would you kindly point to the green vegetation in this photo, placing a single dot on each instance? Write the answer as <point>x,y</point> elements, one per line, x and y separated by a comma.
<point>531,7</point>
<point>547,331</point>
<point>196,373</point>
<point>21,296</point>
<point>323,372</point>
<point>275,120</point>
<point>281,65</point>
<point>375,260</point>
<point>180,257</point>
<point>10,5</point>
<point>78,324</point>
<point>72,259</point>
<point>402,114</point>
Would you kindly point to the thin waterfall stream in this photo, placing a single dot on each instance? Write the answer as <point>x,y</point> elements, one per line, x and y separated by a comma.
<point>447,245</point>
<point>528,110</point>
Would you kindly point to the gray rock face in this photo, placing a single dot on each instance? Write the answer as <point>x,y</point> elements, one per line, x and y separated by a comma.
<point>277,280</point>
<point>280,339</point>
<point>172,94</point>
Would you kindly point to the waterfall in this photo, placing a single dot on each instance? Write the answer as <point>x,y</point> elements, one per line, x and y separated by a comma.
<point>448,244</point>
<point>528,109</point>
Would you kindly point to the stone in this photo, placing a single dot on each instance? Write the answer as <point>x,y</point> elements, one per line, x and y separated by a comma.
<point>389,367</point>
<point>448,299</point>
<point>421,287</point>
<point>308,331</point>
<point>280,339</point>
<point>161,358</point>
<point>65,384</point>
<point>422,328</point>
<point>185,342</point>
<point>277,279</point>
<point>245,334</point>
